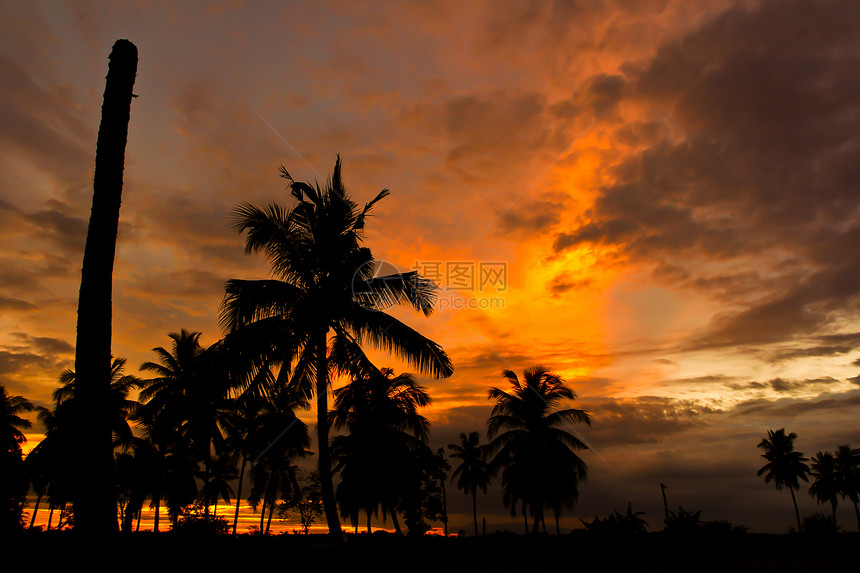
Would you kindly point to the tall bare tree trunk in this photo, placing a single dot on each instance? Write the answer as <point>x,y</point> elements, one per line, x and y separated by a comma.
<point>324,457</point>
<point>95,489</point>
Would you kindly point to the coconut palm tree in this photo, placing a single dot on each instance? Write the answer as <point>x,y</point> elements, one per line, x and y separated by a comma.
<point>785,466</point>
<point>377,460</point>
<point>187,395</point>
<point>847,462</point>
<point>12,423</point>
<point>473,472</point>
<point>13,484</point>
<point>324,288</point>
<point>121,407</point>
<point>825,485</point>
<point>533,448</point>
<point>242,426</point>
<point>276,437</point>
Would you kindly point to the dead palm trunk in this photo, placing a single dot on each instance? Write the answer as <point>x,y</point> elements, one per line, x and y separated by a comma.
<point>95,493</point>
<point>324,458</point>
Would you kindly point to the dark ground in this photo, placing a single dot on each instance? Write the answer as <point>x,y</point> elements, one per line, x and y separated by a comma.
<point>578,552</point>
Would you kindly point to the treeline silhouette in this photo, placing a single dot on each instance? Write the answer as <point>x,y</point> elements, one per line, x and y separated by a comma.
<point>185,439</point>
<point>835,475</point>
<point>208,416</point>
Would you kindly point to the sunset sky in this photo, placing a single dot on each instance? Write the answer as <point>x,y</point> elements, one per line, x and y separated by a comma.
<point>673,190</point>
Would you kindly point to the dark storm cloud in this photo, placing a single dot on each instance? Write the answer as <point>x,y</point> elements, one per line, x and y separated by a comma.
<point>44,345</point>
<point>182,284</point>
<point>792,407</point>
<point>489,128</point>
<point>41,123</point>
<point>811,352</point>
<point>20,361</point>
<point>696,380</point>
<point>767,101</point>
<point>540,217</point>
<point>15,304</point>
<point>564,283</point>
<point>646,419</point>
<point>784,386</point>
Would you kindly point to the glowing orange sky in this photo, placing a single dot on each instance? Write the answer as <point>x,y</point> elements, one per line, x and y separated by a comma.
<point>670,185</point>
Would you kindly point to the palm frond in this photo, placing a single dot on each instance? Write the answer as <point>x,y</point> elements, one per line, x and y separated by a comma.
<point>388,333</point>
<point>248,301</point>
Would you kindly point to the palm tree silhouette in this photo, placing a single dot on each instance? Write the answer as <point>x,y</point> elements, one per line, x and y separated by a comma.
<point>473,472</point>
<point>222,472</point>
<point>847,462</point>
<point>13,423</point>
<point>785,466</point>
<point>283,438</point>
<point>186,395</point>
<point>825,486</point>
<point>377,459</point>
<point>13,483</point>
<point>535,452</point>
<point>121,407</point>
<point>325,284</point>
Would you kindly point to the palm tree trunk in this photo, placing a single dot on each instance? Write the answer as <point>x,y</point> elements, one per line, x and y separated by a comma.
<point>394,519</point>
<point>271,511</point>
<point>857,513</point>
<point>157,511</point>
<point>263,513</point>
<point>324,460</point>
<point>95,490</point>
<point>35,510</point>
<point>206,488</point>
<point>525,518</point>
<point>50,516</point>
<point>139,513</point>
<point>796,511</point>
<point>475,510</point>
<point>444,504</point>
<point>239,495</point>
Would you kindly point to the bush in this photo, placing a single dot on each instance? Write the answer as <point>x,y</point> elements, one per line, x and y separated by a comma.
<point>626,524</point>
<point>820,524</point>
